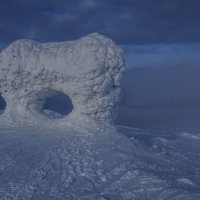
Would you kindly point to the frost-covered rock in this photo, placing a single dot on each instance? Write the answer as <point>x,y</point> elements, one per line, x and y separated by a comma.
<point>88,70</point>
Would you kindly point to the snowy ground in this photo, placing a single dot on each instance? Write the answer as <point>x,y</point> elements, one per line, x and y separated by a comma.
<point>160,161</point>
<point>79,159</point>
<point>40,163</point>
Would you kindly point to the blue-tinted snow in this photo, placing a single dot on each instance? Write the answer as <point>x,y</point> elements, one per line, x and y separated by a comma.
<point>159,160</point>
<point>98,163</point>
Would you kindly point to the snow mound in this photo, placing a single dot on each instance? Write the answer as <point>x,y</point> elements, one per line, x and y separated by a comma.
<point>46,163</point>
<point>88,70</point>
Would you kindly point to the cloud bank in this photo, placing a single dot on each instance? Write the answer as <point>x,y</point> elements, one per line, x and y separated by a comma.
<point>125,21</point>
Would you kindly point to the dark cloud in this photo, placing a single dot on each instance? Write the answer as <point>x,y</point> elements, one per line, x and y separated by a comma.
<point>126,21</point>
<point>162,55</point>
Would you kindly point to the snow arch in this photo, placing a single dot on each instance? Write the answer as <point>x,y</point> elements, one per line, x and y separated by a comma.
<point>58,105</point>
<point>88,70</point>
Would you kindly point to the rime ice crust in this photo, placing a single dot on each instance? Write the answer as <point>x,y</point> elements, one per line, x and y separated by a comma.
<point>88,70</point>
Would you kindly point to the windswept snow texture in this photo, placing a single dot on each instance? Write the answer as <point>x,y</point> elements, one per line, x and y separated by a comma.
<point>88,70</point>
<point>97,163</point>
<point>81,157</point>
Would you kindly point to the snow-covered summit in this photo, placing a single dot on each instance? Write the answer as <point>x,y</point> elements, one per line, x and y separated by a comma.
<point>88,70</point>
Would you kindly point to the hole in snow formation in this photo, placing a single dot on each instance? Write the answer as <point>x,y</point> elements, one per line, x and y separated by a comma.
<point>58,105</point>
<point>2,104</point>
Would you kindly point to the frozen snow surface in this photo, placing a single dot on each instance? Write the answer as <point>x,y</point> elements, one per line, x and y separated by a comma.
<point>88,70</point>
<point>83,156</point>
<point>97,163</point>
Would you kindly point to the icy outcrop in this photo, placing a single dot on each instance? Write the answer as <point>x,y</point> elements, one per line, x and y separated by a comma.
<point>88,70</point>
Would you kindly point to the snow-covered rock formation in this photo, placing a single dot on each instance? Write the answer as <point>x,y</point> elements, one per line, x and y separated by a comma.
<point>88,70</point>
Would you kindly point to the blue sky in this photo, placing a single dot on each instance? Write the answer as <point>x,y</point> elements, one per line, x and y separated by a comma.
<point>151,32</point>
